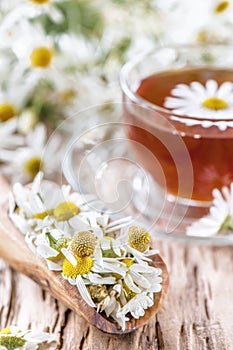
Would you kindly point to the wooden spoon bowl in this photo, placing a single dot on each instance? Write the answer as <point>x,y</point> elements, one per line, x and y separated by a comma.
<point>15,251</point>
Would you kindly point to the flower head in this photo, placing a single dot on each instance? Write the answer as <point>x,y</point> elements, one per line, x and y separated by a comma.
<point>83,244</point>
<point>139,238</point>
<point>208,101</point>
<point>24,163</point>
<point>108,271</point>
<point>83,266</point>
<point>98,292</point>
<point>13,337</point>
<point>220,217</point>
<point>65,211</point>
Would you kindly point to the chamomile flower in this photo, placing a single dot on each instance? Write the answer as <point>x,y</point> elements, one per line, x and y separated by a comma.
<point>25,162</point>
<point>220,217</point>
<point>108,271</point>
<point>212,20</point>
<point>49,246</point>
<point>135,241</point>
<point>46,204</point>
<point>136,306</point>
<point>12,97</point>
<point>85,270</point>
<point>208,101</point>
<point>38,50</point>
<point>13,337</point>
<point>141,277</point>
<point>8,136</point>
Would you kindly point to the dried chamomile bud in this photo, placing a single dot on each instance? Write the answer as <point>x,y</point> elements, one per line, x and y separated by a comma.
<point>139,238</point>
<point>83,244</point>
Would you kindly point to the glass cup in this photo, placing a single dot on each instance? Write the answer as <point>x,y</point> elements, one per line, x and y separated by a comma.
<point>178,104</point>
<point>175,145</point>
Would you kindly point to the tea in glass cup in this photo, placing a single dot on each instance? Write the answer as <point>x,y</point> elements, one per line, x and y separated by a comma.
<point>178,104</point>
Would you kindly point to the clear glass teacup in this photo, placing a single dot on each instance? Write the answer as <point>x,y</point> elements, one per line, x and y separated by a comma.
<point>178,104</point>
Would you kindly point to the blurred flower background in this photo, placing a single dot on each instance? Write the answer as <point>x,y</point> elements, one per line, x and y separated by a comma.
<point>59,57</point>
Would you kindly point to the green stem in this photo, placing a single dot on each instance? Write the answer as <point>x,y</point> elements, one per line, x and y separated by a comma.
<point>51,239</point>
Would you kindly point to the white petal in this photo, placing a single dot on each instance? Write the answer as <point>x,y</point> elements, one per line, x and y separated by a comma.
<point>46,251</point>
<point>127,220</point>
<point>151,252</point>
<point>211,87</point>
<point>110,306</point>
<point>97,279</point>
<point>69,256</point>
<point>140,280</point>
<point>84,292</point>
<point>130,284</point>
<point>53,266</point>
<point>38,337</point>
<point>224,90</point>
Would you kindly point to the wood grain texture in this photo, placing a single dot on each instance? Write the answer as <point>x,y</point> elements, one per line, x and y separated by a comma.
<point>196,314</point>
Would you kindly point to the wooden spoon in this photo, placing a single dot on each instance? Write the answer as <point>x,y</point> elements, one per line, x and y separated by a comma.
<point>15,251</point>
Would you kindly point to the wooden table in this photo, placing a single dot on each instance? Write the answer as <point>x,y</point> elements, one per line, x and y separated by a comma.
<point>197,313</point>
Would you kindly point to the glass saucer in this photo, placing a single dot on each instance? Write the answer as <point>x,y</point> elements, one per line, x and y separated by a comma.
<point>99,160</point>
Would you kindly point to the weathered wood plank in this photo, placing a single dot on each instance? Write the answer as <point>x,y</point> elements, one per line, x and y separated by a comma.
<point>197,313</point>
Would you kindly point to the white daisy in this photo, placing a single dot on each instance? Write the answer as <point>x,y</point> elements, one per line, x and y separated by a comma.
<point>107,271</point>
<point>8,136</point>
<point>44,204</point>
<point>12,97</point>
<point>213,19</point>
<point>136,306</point>
<point>34,48</point>
<point>25,162</point>
<point>220,215</point>
<point>208,101</point>
<point>83,268</point>
<point>22,339</point>
<point>135,242</point>
<point>142,277</point>
<point>48,245</point>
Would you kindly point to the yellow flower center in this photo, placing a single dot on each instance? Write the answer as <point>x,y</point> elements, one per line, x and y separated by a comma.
<point>5,331</point>
<point>11,342</point>
<point>65,211</point>
<point>221,6</point>
<point>40,2</point>
<point>43,215</point>
<point>214,103</point>
<point>139,238</point>
<point>202,36</point>
<point>83,266</point>
<point>68,95</point>
<point>7,111</point>
<point>83,243</point>
<point>32,166</point>
<point>127,261</point>
<point>41,57</point>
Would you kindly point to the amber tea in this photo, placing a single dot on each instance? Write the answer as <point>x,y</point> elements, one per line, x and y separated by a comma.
<point>197,104</point>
